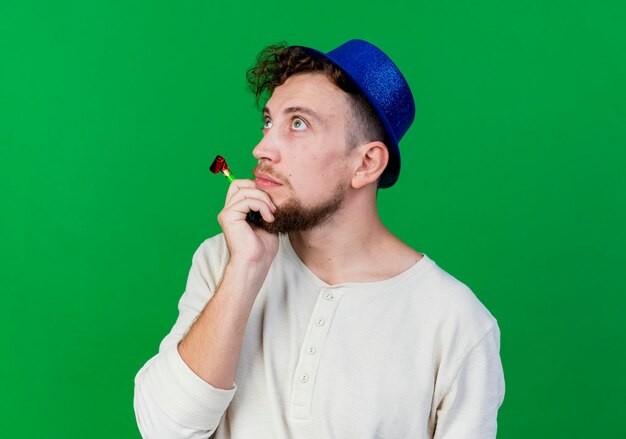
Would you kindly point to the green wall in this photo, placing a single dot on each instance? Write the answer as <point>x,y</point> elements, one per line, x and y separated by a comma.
<point>513,181</point>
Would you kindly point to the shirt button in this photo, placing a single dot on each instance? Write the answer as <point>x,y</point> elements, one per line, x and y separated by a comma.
<point>328,295</point>
<point>304,378</point>
<point>320,322</point>
<point>311,350</point>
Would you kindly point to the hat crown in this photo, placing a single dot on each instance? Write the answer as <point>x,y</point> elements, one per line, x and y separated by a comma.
<point>380,80</point>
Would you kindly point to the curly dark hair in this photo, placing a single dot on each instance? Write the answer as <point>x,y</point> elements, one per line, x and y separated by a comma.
<point>278,62</point>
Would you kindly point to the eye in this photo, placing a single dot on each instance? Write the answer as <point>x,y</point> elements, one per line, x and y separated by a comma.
<point>298,124</point>
<point>267,122</point>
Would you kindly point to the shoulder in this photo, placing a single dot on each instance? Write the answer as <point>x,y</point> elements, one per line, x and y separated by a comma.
<point>463,325</point>
<point>212,250</point>
<point>454,305</point>
<point>210,259</point>
<point>458,321</point>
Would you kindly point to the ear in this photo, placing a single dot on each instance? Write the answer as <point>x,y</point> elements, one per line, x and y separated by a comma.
<point>373,158</point>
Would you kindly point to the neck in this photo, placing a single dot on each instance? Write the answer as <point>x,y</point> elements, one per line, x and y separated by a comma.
<point>348,246</point>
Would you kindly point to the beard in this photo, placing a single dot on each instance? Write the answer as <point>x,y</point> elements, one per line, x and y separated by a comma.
<point>293,216</point>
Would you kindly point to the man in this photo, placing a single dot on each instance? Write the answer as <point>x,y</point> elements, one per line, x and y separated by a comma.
<point>316,321</point>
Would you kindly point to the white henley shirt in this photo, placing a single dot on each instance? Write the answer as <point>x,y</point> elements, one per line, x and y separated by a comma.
<point>414,356</point>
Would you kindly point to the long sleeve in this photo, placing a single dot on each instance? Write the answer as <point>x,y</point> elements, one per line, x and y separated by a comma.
<point>170,400</point>
<point>469,408</point>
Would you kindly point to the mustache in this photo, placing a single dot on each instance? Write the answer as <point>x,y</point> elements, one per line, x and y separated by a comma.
<point>266,169</point>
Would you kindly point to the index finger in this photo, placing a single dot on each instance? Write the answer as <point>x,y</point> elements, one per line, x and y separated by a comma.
<point>236,185</point>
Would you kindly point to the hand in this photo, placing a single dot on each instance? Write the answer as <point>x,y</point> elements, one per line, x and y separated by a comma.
<point>248,244</point>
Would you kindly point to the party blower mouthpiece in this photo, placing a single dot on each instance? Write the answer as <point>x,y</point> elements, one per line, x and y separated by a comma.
<point>220,165</point>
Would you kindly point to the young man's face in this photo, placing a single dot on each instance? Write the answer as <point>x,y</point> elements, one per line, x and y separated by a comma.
<point>302,156</point>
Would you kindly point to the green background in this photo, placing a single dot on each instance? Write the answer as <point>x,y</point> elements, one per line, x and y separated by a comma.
<point>513,181</point>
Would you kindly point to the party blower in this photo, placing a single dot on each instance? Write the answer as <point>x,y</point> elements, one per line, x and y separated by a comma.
<point>220,165</point>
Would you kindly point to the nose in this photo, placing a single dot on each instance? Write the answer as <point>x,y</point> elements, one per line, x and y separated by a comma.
<point>266,149</point>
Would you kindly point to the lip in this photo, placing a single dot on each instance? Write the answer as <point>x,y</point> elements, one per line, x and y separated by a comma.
<point>264,181</point>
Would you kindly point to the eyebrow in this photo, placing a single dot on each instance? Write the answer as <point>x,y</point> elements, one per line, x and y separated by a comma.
<point>291,110</point>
